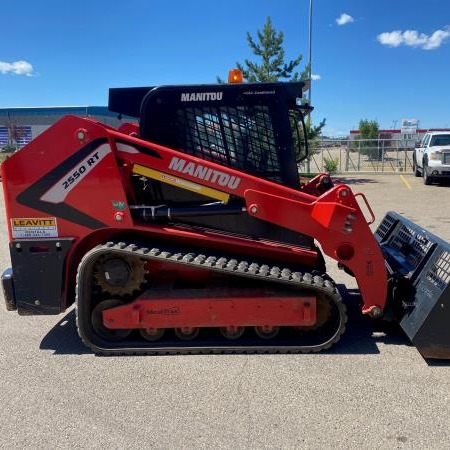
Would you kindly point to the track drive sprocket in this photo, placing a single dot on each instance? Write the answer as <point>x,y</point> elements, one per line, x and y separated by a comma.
<point>120,276</point>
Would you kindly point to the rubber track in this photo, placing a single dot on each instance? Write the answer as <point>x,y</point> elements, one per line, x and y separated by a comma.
<point>286,277</point>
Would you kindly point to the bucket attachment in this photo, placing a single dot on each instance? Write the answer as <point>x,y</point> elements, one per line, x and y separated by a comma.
<point>418,263</point>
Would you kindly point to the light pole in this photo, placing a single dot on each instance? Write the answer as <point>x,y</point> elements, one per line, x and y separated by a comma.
<point>310,51</point>
<point>308,167</point>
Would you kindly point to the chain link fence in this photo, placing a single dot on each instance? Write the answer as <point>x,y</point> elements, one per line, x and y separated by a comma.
<point>362,155</point>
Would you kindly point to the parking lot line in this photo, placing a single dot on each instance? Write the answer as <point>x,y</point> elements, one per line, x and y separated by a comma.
<point>405,182</point>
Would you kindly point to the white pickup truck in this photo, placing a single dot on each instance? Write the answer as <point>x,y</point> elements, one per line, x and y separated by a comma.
<point>431,157</point>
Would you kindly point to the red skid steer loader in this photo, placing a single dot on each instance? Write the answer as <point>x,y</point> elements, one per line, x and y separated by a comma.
<point>187,230</point>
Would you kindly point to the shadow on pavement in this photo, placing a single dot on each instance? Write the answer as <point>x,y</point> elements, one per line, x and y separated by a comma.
<point>361,337</point>
<point>363,333</point>
<point>63,338</point>
<point>438,362</point>
<point>351,181</point>
<point>442,183</point>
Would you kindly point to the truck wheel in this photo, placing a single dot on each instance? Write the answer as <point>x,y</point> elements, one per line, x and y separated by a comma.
<point>426,178</point>
<point>415,167</point>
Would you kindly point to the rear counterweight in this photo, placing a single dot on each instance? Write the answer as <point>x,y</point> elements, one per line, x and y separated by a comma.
<point>35,285</point>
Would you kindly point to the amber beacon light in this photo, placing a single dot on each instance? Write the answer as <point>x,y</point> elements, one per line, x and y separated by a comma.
<point>235,76</point>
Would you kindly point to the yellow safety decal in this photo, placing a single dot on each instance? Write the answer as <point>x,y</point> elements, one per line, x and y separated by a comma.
<point>181,183</point>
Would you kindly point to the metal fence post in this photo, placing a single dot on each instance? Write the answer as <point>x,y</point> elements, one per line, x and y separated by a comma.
<point>347,156</point>
<point>359,156</point>
<point>321,153</point>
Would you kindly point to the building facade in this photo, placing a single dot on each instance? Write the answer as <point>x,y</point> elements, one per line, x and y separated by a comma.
<point>396,135</point>
<point>18,126</point>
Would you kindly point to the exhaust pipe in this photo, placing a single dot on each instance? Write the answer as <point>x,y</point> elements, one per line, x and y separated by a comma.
<point>418,263</point>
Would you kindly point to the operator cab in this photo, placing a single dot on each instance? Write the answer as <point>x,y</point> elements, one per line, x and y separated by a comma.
<point>255,128</point>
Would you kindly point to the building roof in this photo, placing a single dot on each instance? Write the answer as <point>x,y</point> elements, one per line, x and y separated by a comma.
<point>56,110</point>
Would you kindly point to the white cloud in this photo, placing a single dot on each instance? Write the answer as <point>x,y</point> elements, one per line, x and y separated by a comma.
<point>315,77</point>
<point>392,39</point>
<point>436,39</point>
<point>17,68</point>
<point>413,38</point>
<point>344,19</point>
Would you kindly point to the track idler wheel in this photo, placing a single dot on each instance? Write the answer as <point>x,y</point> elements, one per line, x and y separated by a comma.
<point>186,333</point>
<point>152,334</point>
<point>99,326</point>
<point>267,332</point>
<point>232,332</point>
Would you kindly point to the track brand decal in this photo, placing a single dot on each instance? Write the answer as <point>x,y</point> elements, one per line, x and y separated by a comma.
<point>204,173</point>
<point>201,96</point>
<point>34,227</point>
<point>59,192</point>
<point>169,311</point>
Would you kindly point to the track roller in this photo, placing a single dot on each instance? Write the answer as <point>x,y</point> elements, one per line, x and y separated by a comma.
<point>152,334</point>
<point>232,332</point>
<point>267,332</point>
<point>186,333</point>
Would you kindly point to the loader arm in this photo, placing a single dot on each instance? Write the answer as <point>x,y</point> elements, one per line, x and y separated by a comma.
<point>334,218</point>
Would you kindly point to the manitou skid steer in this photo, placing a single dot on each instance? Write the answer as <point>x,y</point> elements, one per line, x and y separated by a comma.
<point>189,231</point>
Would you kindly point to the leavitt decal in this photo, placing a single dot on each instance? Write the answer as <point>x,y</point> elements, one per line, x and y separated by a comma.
<point>34,227</point>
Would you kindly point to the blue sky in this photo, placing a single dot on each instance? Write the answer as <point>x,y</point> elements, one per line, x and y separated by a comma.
<point>380,60</point>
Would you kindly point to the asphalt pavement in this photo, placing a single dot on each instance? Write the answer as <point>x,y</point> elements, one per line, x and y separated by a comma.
<point>372,390</point>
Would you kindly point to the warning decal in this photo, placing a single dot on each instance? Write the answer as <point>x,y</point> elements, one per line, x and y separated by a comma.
<point>29,227</point>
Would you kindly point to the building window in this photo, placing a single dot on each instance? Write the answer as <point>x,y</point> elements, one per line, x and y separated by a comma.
<point>23,136</point>
<point>19,136</point>
<point>3,137</point>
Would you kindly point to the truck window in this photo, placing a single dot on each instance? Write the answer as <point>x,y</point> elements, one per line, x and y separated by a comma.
<point>440,139</point>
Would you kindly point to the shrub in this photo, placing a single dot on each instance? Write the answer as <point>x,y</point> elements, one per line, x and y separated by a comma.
<point>331,164</point>
<point>9,149</point>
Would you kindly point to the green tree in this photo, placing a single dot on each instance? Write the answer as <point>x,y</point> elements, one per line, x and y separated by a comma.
<point>313,133</point>
<point>268,48</point>
<point>368,133</point>
<point>368,129</point>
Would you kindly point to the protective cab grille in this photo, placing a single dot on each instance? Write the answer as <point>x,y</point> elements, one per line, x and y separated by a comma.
<point>239,137</point>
